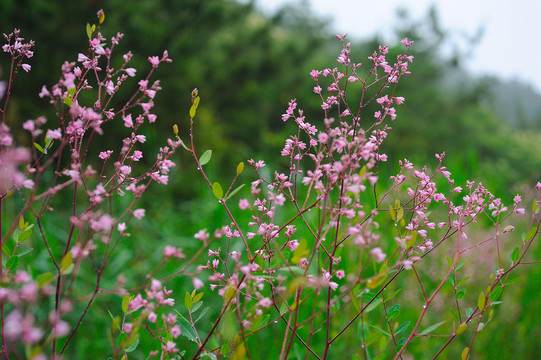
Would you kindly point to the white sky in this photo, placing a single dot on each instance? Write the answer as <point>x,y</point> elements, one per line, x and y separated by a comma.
<point>510,47</point>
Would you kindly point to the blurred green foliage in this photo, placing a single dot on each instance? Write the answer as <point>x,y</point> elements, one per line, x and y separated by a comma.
<point>247,66</point>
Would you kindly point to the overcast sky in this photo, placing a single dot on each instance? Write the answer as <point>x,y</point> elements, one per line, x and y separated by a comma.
<point>510,47</point>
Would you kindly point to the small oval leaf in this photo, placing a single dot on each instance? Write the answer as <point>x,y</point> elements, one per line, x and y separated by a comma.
<point>205,158</point>
<point>240,168</point>
<point>217,190</point>
<point>12,262</point>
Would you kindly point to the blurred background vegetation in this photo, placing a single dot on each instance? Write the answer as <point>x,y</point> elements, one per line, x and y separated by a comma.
<point>247,65</point>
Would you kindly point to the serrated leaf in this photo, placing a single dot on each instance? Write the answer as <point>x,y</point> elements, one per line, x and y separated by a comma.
<point>68,101</point>
<point>402,327</point>
<point>205,158</point>
<point>44,278</point>
<point>515,255</point>
<point>461,328</point>
<point>240,168</point>
<point>217,190</point>
<point>185,328</point>
<point>67,260</point>
<point>188,301</point>
<point>481,301</point>
<point>432,328</point>
<point>12,263</point>
<point>40,149</point>
<point>235,191</point>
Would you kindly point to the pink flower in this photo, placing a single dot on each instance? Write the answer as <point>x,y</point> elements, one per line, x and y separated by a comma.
<point>340,274</point>
<point>26,67</point>
<point>139,213</point>
<point>131,72</point>
<point>265,302</point>
<point>378,254</point>
<point>244,204</point>
<point>154,60</point>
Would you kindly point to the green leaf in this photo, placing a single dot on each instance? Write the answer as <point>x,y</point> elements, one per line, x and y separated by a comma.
<point>373,304</point>
<point>196,101</point>
<point>465,353</point>
<point>460,294</point>
<point>455,315</point>
<point>133,346</point>
<point>120,339</point>
<point>449,261</point>
<point>68,101</point>
<point>392,212</point>
<point>512,281</point>
<point>193,111</point>
<point>363,330</point>
<point>101,18</point>
<point>393,294</point>
<point>460,264</point>
<point>534,207</point>
<point>400,214</point>
<point>531,234</point>
<point>125,300</point>
<point>402,327</point>
<point>394,307</point>
<point>12,263</point>
<point>481,301</point>
<point>22,253</point>
<point>380,330</point>
<point>207,355</point>
<point>515,255</point>
<point>392,314</point>
<point>188,301</point>
<point>240,168</point>
<point>71,92</point>
<point>432,328</point>
<point>462,281</point>
<point>205,158</point>
<point>67,260</point>
<point>203,312</point>
<point>185,328</point>
<point>400,343</point>
<point>6,249</point>
<point>469,312</point>
<point>461,328</point>
<point>217,190</point>
<point>88,31</point>
<point>40,149</point>
<point>25,235</point>
<point>22,224</point>
<point>197,297</point>
<point>495,294</point>
<point>196,306</point>
<point>44,279</point>
<point>235,191</point>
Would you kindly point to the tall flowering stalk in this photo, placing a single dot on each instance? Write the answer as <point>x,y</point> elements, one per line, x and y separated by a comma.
<point>315,260</point>
<point>58,164</point>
